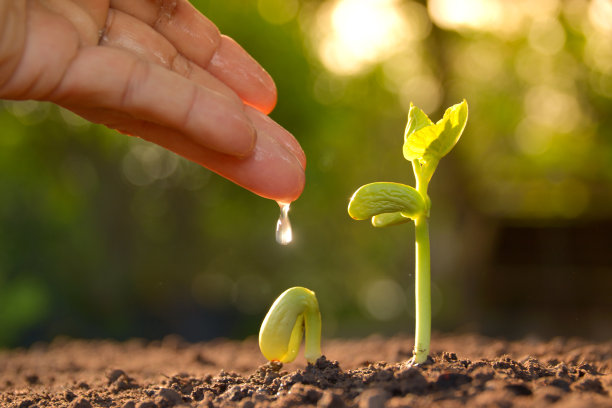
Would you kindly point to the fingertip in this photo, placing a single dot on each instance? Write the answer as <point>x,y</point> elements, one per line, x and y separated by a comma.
<point>234,66</point>
<point>294,188</point>
<point>265,101</point>
<point>282,136</point>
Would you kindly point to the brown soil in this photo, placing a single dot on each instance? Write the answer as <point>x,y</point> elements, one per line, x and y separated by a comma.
<point>465,370</point>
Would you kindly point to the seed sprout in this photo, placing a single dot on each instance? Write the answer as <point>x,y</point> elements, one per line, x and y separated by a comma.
<point>425,143</point>
<point>295,313</point>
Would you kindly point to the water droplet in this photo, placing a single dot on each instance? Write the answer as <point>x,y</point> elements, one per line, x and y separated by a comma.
<point>284,234</point>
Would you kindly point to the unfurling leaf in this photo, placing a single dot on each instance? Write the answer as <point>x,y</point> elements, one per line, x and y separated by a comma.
<point>381,198</point>
<point>414,147</point>
<point>429,143</point>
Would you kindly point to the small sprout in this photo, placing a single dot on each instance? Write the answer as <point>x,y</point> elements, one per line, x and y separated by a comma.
<point>425,143</point>
<point>295,313</point>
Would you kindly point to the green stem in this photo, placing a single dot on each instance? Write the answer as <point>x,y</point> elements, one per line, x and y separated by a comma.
<point>312,329</point>
<point>422,286</point>
<point>422,291</point>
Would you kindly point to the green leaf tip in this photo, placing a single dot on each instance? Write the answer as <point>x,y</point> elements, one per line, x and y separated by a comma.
<point>295,313</point>
<point>376,199</point>
<point>428,142</point>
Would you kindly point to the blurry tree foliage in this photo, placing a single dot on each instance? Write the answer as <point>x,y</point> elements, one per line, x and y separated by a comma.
<point>102,235</point>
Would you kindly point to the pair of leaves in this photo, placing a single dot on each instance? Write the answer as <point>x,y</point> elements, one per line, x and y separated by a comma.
<point>386,203</point>
<point>428,142</point>
<point>425,143</point>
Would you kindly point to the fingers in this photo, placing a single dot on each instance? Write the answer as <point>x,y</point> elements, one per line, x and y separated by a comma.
<point>47,45</point>
<point>275,170</point>
<point>12,37</point>
<point>97,9</point>
<point>126,32</point>
<point>198,39</point>
<point>195,36</point>
<point>232,65</point>
<point>82,21</point>
<point>151,93</point>
<point>265,125</point>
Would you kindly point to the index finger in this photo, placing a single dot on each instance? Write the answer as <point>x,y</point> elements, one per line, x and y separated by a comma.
<point>199,40</point>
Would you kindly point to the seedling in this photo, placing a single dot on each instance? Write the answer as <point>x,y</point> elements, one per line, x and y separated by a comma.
<point>295,313</point>
<point>425,143</point>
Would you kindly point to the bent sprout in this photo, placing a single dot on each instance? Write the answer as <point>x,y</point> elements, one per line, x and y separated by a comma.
<point>425,143</point>
<point>295,313</point>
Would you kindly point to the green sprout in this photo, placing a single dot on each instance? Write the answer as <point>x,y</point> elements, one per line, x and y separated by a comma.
<point>425,143</point>
<point>295,313</point>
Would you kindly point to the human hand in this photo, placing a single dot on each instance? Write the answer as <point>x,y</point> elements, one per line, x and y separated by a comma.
<point>159,70</point>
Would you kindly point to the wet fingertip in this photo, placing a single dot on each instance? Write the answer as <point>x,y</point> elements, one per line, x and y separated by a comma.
<point>282,136</point>
<point>287,188</point>
<point>240,71</point>
<point>268,98</point>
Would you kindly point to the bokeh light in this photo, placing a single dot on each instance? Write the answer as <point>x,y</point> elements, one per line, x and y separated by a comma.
<point>352,35</point>
<point>278,11</point>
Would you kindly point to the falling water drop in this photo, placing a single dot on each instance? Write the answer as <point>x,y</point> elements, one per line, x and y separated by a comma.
<point>284,235</point>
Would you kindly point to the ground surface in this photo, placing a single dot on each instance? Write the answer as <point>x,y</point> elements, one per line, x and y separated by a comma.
<point>466,370</point>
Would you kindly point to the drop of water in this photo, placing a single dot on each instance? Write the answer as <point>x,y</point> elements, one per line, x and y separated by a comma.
<point>284,234</point>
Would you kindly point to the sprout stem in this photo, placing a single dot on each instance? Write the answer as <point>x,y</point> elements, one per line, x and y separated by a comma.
<point>422,290</point>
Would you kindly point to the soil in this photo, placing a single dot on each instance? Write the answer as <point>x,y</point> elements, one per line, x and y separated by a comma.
<point>464,370</point>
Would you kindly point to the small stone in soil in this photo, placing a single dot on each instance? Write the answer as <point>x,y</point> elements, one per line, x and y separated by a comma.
<point>80,403</point>
<point>114,375</point>
<point>69,395</point>
<point>170,396</point>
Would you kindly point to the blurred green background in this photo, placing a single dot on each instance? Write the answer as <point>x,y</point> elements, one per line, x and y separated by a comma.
<point>102,235</point>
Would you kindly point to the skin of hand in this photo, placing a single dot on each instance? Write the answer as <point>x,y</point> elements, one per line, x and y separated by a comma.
<point>159,70</point>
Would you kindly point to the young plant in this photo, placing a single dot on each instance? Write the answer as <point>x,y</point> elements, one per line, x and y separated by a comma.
<point>425,143</point>
<point>295,313</point>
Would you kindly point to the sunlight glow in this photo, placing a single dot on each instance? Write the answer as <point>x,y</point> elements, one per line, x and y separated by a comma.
<point>600,15</point>
<point>278,11</point>
<point>466,13</point>
<point>355,34</point>
<point>505,18</point>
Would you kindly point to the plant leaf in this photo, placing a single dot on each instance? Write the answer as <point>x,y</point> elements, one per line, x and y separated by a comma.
<point>380,198</point>
<point>431,143</point>
<point>388,219</point>
<point>450,129</point>
<point>417,120</point>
